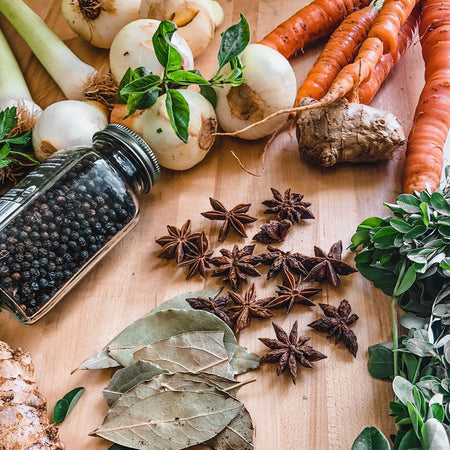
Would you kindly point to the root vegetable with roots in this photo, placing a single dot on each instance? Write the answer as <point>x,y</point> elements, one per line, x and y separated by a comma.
<point>23,411</point>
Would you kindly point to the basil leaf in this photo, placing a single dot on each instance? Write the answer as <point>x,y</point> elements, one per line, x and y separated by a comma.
<point>141,101</point>
<point>167,54</point>
<point>234,41</point>
<point>141,85</point>
<point>210,94</point>
<point>178,112</point>
<point>381,363</point>
<point>66,404</point>
<point>126,79</point>
<point>8,121</point>
<point>186,78</point>
<point>371,438</point>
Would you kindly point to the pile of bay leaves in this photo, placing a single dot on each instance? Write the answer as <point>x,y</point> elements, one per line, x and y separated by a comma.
<point>177,385</point>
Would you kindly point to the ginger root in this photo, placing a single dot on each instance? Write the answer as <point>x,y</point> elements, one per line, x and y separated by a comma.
<point>23,413</point>
<point>347,132</point>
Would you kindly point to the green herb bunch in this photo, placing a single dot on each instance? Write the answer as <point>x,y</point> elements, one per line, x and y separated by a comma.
<point>407,255</point>
<point>15,147</point>
<point>139,88</point>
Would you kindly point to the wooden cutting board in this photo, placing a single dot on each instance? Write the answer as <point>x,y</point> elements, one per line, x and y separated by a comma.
<point>331,404</point>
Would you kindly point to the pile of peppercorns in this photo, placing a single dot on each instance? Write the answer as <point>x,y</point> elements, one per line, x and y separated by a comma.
<point>43,246</point>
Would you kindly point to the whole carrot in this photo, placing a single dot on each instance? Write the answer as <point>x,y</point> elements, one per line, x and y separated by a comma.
<point>340,50</point>
<point>310,23</point>
<point>368,89</point>
<point>424,154</point>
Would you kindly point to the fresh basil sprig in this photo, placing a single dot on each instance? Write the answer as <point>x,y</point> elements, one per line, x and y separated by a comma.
<point>139,88</point>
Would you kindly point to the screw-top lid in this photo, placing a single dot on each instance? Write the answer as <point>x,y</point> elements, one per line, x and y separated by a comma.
<point>138,148</point>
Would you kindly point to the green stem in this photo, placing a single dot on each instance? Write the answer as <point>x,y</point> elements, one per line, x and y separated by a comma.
<point>395,334</point>
<point>12,82</point>
<point>416,373</point>
<point>68,71</point>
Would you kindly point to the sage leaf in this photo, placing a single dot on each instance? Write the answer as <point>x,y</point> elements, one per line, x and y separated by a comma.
<point>237,435</point>
<point>440,204</point>
<point>409,441</point>
<point>410,321</point>
<point>169,420</point>
<point>244,360</point>
<point>179,114</point>
<point>190,352</point>
<point>66,404</point>
<point>407,281</point>
<point>371,438</point>
<point>409,203</point>
<point>129,377</point>
<point>434,436</point>
<point>403,389</point>
<point>162,325</point>
<point>381,363</point>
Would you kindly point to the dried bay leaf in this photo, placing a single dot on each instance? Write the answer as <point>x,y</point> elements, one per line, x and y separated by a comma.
<point>237,435</point>
<point>169,420</point>
<point>244,360</point>
<point>100,360</point>
<point>165,324</point>
<point>127,378</point>
<point>190,352</point>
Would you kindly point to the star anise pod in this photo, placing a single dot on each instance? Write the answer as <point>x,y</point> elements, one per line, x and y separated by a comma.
<point>327,266</point>
<point>290,350</point>
<point>216,306</point>
<point>235,265</point>
<point>234,218</point>
<point>278,260</point>
<point>290,293</point>
<point>274,231</point>
<point>247,306</point>
<point>288,206</point>
<point>178,242</point>
<point>337,322</point>
<point>198,258</point>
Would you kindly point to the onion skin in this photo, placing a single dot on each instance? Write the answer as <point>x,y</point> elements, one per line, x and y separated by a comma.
<point>270,87</point>
<point>133,47</point>
<point>100,25</point>
<point>66,124</point>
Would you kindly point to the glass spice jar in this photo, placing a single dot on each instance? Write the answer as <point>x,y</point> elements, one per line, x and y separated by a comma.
<point>65,215</point>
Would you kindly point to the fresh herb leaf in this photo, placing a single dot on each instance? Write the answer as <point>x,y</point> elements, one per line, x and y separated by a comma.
<point>186,78</point>
<point>210,94</point>
<point>141,101</point>
<point>66,404</point>
<point>178,111</point>
<point>371,438</point>
<point>126,79</point>
<point>168,55</point>
<point>8,121</point>
<point>234,41</point>
<point>141,85</point>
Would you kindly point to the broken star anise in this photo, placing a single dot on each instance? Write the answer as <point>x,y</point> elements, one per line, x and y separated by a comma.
<point>278,260</point>
<point>290,293</point>
<point>178,242</point>
<point>337,322</point>
<point>216,306</point>
<point>234,218</point>
<point>274,231</point>
<point>290,350</point>
<point>247,306</point>
<point>329,266</point>
<point>288,206</point>
<point>198,258</point>
<point>235,265</point>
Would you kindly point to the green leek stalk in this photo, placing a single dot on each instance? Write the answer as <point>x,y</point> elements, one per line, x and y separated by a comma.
<point>72,75</point>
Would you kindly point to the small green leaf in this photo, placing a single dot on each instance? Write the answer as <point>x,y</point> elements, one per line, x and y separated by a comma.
<point>409,203</point>
<point>4,151</point>
<point>403,389</point>
<point>186,78</point>
<point>434,436</point>
<point>8,121</point>
<point>416,420</point>
<point>21,139</point>
<point>409,441</point>
<point>437,411</point>
<point>210,94</point>
<point>440,204</point>
<point>126,79</point>
<point>425,214</point>
<point>141,85</point>
<point>66,404</point>
<point>369,223</point>
<point>416,232</point>
<point>141,101</point>
<point>178,112</point>
<point>359,238</point>
<point>371,438</point>
<point>234,41</point>
<point>406,282</point>
<point>167,54</point>
<point>381,363</point>
<point>401,225</point>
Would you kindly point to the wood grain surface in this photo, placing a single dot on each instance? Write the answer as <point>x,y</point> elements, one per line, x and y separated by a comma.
<point>330,404</point>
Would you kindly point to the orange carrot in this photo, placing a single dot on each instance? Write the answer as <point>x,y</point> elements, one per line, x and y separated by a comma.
<point>370,87</point>
<point>310,23</point>
<point>424,154</point>
<point>340,50</point>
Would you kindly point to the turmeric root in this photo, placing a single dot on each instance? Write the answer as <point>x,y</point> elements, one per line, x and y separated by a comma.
<point>23,414</point>
<point>347,132</point>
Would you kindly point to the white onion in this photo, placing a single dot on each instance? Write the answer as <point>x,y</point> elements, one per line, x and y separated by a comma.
<point>270,86</point>
<point>98,21</point>
<point>196,19</point>
<point>67,124</point>
<point>172,152</point>
<point>133,47</point>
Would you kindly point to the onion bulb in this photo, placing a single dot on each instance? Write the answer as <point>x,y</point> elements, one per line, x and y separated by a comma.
<point>133,47</point>
<point>67,124</point>
<point>270,86</point>
<point>98,21</point>
<point>196,19</point>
